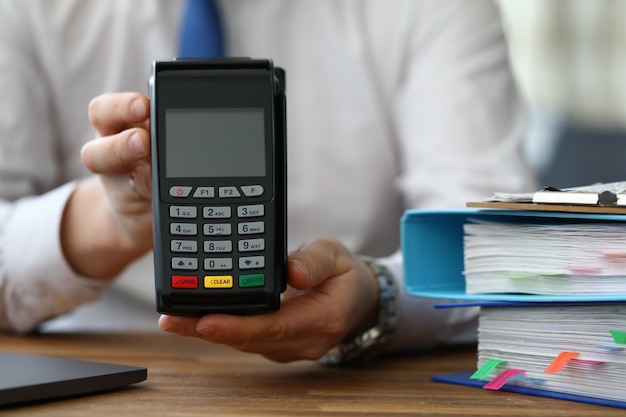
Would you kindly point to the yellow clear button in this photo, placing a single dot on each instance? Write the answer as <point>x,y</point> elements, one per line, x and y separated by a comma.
<point>218,281</point>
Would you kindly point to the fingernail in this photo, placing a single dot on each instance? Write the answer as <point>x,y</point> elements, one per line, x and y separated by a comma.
<point>301,266</point>
<point>138,108</point>
<point>136,144</point>
<point>170,326</point>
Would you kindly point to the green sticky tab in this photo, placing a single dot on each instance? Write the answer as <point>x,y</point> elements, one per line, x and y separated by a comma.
<point>618,337</point>
<point>484,371</point>
<point>251,280</point>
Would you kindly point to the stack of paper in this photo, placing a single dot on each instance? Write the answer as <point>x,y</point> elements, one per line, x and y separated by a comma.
<point>554,258</point>
<point>574,349</point>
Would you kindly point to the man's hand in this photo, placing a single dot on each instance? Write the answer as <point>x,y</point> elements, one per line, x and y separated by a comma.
<point>332,295</point>
<point>107,222</point>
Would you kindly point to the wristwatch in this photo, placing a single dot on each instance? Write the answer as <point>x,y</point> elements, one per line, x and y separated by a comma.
<point>367,344</point>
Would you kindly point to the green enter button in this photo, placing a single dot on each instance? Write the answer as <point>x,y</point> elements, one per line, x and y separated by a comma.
<point>251,280</point>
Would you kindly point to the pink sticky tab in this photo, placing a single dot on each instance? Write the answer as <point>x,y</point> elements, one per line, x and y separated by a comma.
<point>559,362</point>
<point>585,271</point>
<point>497,383</point>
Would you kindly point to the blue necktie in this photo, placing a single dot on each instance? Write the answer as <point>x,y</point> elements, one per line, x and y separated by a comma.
<point>201,35</point>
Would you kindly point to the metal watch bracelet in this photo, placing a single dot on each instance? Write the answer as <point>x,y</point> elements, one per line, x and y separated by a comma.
<point>368,343</point>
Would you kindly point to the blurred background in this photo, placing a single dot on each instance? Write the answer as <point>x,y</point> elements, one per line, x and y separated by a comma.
<point>569,57</point>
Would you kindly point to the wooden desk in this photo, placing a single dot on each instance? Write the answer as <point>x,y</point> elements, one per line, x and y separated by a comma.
<point>188,377</point>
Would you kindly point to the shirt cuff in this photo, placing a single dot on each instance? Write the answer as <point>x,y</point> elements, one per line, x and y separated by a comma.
<point>36,282</point>
<point>420,325</point>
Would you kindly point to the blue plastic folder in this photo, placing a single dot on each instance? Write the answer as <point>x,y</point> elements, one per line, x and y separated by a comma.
<point>464,379</point>
<point>432,247</point>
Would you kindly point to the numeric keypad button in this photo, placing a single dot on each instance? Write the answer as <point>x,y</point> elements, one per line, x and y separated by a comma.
<point>184,246</point>
<point>218,229</point>
<point>218,246</point>
<point>253,210</point>
<point>189,229</point>
<point>251,245</point>
<point>216,213</point>
<point>183,212</point>
<point>218,264</point>
<point>250,228</point>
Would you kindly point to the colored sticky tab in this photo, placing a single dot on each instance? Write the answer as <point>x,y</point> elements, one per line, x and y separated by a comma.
<point>611,347</point>
<point>522,377</point>
<point>618,337</point>
<point>559,362</point>
<point>484,371</point>
<point>497,383</point>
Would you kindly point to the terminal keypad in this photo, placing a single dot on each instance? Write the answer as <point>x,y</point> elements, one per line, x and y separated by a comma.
<point>210,242</point>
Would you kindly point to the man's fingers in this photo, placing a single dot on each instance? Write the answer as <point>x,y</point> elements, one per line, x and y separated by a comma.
<point>113,112</point>
<point>117,153</point>
<point>313,263</point>
<point>282,336</point>
<point>285,350</point>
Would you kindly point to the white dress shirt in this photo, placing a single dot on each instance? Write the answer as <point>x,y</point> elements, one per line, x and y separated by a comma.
<point>391,106</point>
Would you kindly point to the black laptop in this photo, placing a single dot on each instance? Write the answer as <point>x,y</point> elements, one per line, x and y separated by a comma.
<point>26,378</point>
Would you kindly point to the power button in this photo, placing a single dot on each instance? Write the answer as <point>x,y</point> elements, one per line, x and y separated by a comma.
<point>179,191</point>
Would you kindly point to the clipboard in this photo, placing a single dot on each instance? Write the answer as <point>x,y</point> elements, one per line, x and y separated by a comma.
<point>607,198</point>
<point>565,208</point>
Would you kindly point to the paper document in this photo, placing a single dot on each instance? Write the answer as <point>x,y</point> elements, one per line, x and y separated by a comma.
<point>605,194</point>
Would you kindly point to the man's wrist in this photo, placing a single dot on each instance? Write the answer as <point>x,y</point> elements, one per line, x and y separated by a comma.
<point>369,342</point>
<point>89,240</point>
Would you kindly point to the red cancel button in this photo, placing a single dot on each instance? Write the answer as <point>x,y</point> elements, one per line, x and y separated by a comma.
<point>184,281</point>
